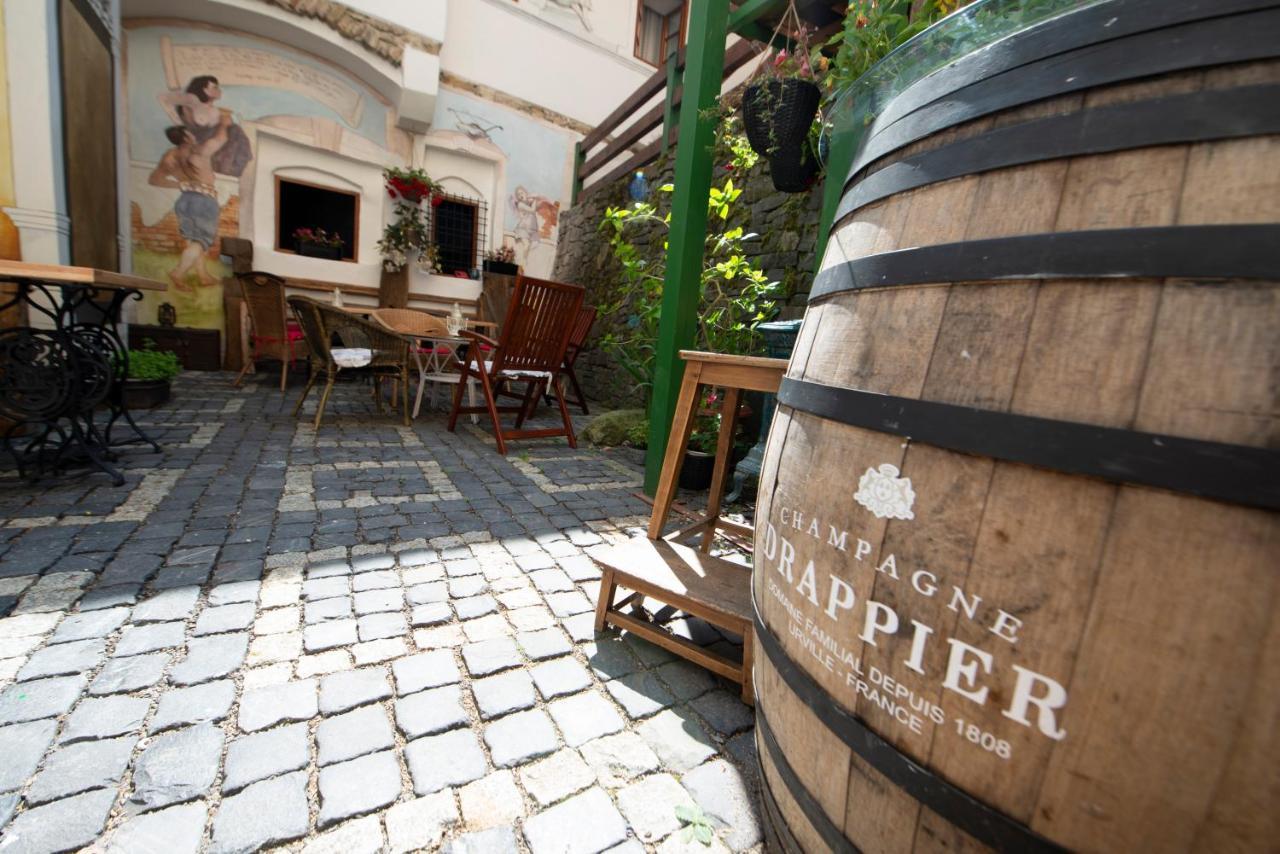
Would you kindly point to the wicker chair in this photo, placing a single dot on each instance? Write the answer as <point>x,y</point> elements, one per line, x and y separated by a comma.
<point>432,350</point>
<point>274,335</point>
<point>531,349</point>
<point>365,346</point>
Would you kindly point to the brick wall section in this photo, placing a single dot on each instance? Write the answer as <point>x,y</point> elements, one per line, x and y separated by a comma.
<point>788,229</point>
<point>163,236</point>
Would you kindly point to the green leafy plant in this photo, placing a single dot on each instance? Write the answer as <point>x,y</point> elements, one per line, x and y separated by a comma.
<point>407,237</point>
<point>152,364</point>
<point>872,29</point>
<point>697,825</point>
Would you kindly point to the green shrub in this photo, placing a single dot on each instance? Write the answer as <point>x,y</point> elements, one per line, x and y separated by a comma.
<point>152,364</point>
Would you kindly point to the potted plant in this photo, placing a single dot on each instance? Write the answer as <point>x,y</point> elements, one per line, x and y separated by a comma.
<point>502,261</point>
<point>150,371</point>
<point>700,454</point>
<point>318,243</point>
<point>779,106</point>
<point>407,238</point>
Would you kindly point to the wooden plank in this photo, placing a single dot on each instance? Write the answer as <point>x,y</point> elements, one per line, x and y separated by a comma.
<point>684,648</point>
<point>76,275</point>
<point>683,577</point>
<point>632,134</point>
<point>673,458</point>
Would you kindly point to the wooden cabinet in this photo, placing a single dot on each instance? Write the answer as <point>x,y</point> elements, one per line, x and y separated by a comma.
<point>197,349</point>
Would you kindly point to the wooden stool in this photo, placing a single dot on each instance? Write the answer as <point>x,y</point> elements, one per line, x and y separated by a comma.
<point>714,589</point>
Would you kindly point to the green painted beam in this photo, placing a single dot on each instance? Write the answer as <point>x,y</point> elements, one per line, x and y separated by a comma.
<point>668,106</point>
<point>752,11</point>
<point>703,75</point>
<point>839,160</point>
<point>579,157</point>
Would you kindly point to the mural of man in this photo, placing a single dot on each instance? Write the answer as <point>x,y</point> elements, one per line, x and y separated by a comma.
<point>188,168</point>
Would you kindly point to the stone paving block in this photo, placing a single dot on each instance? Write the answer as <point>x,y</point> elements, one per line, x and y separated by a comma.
<point>28,625</point>
<point>616,759</point>
<point>329,569</point>
<point>278,620</point>
<point>610,657</point>
<point>176,830</point>
<point>678,739</point>
<point>324,662</point>
<point>95,624</point>
<point>379,626</point>
<point>63,659</point>
<point>556,777</point>
<point>581,627</point>
<point>439,637</point>
<point>588,822</point>
<point>495,840</point>
<point>372,652</point>
<point>268,649</point>
<point>262,755</point>
<point>547,643</point>
<point>8,806</point>
<point>560,676</point>
<point>200,703</point>
<point>225,618</point>
<point>676,843</point>
<point>329,635</point>
<point>177,603</point>
<point>431,615</point>
<point>490,656</point>
<point>19,647</point>
<point>584,717</point>
<point>342,691</point>
<point>420,823</point>
<point>517,738</point>
<point>450,759</point>
<point>425,670</point>
<point>649,653</point>
<point>535,561</point>
<point>521,597</point>
<point>569,604</point>
<point>210,658</point>
<point>551,581</point>
<point>430,712</point>
<point>502,694</point>
<point>353,734</point>
<point>357,836</point>
<point>486,628</point>
<point>376,601</point>
<point>135,640</point>
<point>324,610</point>
<point>726,713</point>
<point>64,825</point>
<point>416,557</point>
<point>650,806</point>
<point>639,694</point>
<point>326,588</point>
<point>263,814</point>
<point>466,587</point>
<point>368,563</point>
<point>264,707</point>
<point>81,767</point>
<point>104,717</point>
<point>376,580</point>
<point>685,680</point>
<point>22,745</point>
<point>475,606</point>
<point>121,675</point>
<point>742,747</point>
<point>234,592</point>
<point>531,619</point>
<point>426,594</point>
<point>491,801</point>
<point>177,766</point>
<point>727,799</point>
<point>458,568</point>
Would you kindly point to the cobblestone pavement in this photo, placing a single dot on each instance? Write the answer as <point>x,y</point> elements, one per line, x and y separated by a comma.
<point>358,639</point>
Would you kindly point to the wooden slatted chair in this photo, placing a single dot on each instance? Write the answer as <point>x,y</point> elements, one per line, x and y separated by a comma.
<point>274,336</point>
<point>577,343</point>
<point>364,346</point>
<point>531,349</point>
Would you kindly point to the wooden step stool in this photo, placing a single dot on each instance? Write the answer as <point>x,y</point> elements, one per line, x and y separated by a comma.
<point>714,589</point>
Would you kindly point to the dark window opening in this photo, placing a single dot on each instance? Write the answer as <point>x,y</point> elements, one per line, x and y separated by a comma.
<point>300,205</point>
<point>458,229</point>
<point>659,29</point>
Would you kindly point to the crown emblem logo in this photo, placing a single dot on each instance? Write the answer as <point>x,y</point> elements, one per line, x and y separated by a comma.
<point>885,493</point>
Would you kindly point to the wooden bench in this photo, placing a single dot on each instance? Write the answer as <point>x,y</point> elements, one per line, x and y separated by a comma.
<point>712,588</point>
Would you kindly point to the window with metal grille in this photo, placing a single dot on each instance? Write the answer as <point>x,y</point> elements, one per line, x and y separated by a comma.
<point>459,225</point>
<point>659,29</point>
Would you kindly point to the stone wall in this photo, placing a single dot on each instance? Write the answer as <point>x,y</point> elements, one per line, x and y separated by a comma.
<point>787,225</point>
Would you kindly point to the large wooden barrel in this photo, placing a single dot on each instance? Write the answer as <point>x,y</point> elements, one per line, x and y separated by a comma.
<point>1017,545</point>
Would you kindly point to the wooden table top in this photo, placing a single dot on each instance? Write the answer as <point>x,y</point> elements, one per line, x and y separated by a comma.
<point>58,273</point>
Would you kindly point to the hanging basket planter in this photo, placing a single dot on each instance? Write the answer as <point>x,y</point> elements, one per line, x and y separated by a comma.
<point>794,169</point>
<point>777,113</point>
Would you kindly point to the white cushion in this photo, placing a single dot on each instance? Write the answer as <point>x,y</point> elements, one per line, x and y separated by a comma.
<point>515,373</point>
<point>351,357</point>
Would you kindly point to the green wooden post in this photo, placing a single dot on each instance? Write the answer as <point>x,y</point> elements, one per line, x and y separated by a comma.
<point>579,157</point>
<point>668,107</point>
<point>703,75</point>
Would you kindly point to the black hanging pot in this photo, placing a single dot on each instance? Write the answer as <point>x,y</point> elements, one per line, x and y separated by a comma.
<point>777,113</point>
<point>793,169</point>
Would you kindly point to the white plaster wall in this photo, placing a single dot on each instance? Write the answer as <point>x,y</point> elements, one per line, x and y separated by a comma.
<point>277,157</point>
<point>498,44</point>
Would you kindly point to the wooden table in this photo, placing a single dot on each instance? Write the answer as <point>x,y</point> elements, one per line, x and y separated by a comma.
<point>54,376</point>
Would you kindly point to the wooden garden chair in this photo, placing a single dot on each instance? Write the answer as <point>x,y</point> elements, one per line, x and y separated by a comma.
<point>530,350</point>
<point>274,335</point>
<point>365,346</point>
<point>577,343</point>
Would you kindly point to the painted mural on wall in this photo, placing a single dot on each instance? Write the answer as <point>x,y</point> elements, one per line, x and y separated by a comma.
<point>537,159</point>
<point>573,13</point>
<point>198,97</point>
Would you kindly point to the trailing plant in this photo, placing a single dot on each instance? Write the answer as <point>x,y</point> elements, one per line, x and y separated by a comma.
<point>872,29</point>
<point>407,237</point>
<point>152,364</point>
<point>735,296</point>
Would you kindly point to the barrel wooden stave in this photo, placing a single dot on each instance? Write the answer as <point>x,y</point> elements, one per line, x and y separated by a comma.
<point>1107,566</point>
